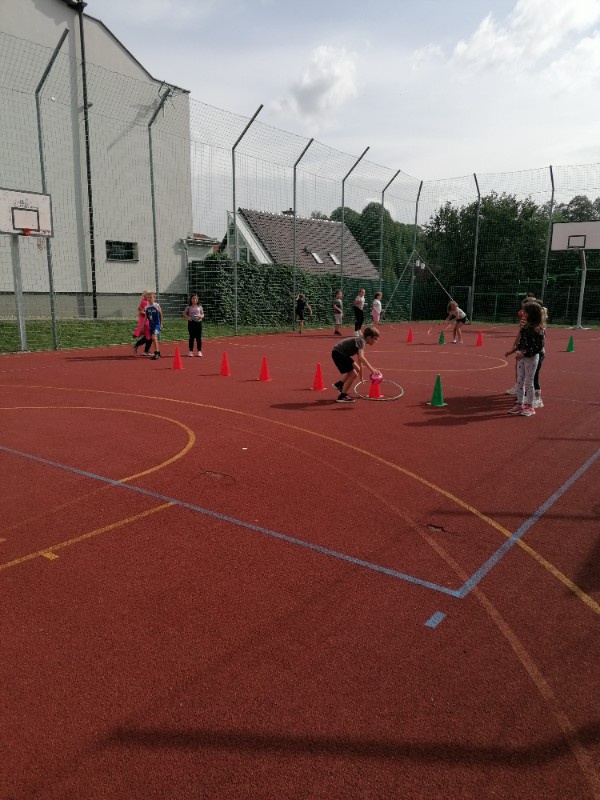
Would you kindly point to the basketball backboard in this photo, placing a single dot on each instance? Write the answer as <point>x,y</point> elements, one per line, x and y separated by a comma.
<point>25,213</point>
<point>576,235</point>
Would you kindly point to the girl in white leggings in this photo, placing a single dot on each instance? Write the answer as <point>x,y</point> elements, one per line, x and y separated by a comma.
<point>528,349</point>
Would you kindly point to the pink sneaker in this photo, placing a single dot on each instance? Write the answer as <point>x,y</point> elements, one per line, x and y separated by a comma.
<point>527,411</point>
<point>516,409</point>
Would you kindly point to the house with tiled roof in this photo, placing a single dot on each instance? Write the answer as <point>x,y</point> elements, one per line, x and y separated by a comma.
<point>266,238</point>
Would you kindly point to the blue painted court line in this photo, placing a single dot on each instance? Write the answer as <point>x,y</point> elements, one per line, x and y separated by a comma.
<point>477,576</point>
<point>435,619</point>
<point>358,562</point>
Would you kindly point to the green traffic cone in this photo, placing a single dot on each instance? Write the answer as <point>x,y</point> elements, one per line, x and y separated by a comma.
<point>442,340</point>
<point>571,346</point>
<point>437,399</point>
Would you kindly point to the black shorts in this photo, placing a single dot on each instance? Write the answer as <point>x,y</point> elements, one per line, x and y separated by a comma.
<point>299,315</point>
<point>345,364</point>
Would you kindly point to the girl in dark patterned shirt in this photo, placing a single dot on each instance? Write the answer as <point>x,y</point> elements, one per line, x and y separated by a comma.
<point>528,349</point>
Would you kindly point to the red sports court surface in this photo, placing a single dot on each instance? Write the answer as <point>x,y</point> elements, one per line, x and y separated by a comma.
<point>219,587</point>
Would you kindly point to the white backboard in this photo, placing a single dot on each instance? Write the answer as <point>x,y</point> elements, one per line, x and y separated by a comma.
<point>576,235</point>
<point>25,213</point>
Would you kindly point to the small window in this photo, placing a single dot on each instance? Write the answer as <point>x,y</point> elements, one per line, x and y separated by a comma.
<point>334,258</point>
<point>317,258</point>
<point>121,251</point>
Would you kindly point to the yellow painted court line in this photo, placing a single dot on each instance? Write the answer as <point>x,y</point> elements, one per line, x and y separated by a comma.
<point>554,571</point>
<point>190,433</point>
<point>48,552</point>
<point>568,730</point>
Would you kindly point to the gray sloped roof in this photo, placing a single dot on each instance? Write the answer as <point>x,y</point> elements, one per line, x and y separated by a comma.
<point>275,233</point>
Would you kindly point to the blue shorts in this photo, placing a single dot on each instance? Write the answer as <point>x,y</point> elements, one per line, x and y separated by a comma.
<point>155,330</point>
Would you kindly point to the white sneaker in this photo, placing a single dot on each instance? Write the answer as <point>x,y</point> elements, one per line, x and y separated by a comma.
<point>512,390</point>
<point>537,402</point>
<point>190,354</point>
<point>199,354</point>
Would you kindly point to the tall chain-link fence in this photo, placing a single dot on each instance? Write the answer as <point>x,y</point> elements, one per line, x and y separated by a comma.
<point>151,189</point>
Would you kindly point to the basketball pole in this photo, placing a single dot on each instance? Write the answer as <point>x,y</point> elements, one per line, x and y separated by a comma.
<point>16,266</point>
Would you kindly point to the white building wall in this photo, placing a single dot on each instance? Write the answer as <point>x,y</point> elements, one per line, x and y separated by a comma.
<point>122,100</point>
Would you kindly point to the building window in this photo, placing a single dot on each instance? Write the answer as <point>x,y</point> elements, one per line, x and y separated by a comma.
<point>334,258</point>
<point>121,251</point>
<point>317,258</point>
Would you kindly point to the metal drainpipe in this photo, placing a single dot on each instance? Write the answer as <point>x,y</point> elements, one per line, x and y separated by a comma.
<point>86,125</point>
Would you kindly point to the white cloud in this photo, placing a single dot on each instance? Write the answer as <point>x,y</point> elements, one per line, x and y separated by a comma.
<point>578,69</point>
<point>425,56</point>
<point>327,83</point>
<point>533,30</point>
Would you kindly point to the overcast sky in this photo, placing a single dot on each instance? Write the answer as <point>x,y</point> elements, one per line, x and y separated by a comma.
<point>436,88</point>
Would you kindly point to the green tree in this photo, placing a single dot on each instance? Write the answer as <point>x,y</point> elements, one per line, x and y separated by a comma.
<point>352,220</point>
<point>579,209</point>
<point>511,244</point>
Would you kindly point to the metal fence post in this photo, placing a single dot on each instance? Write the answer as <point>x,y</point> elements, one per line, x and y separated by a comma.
<point>548,236</point>
<point>88,158</point>
<point>475,248</point>
<point>343,223</point>
<point>294,264</point>
<point>381,229</point>
<point>414,247</point>
<point>163,100</point>
<point>38,111</point>
<point>235,230</point>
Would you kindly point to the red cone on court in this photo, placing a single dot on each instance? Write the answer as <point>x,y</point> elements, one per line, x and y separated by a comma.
<point>479,342</point>
<point>177,360</point>
<point>375,391</point>
<point>225,371</point>
<point>409,338</point>
<point>264,371</point>
<point>318,385</point>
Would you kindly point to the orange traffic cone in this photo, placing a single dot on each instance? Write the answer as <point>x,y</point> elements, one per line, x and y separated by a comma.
<point>375,391</point>
<point>225,371</point>
<point>318,385</point>
<point>264,371</point>
<point>479,342</point>
<point>409,338</point>
<point>177,360</point>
